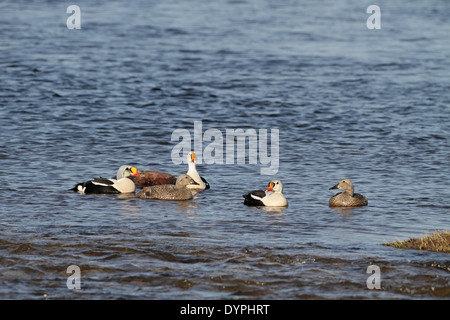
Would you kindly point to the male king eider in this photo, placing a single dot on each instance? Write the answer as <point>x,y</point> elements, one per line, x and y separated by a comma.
<point>179,191</point>
<point>110,186</point>
<point>146,178</point>
<point>272,197</point>
<point>201,183</point>
<point>347,198</point>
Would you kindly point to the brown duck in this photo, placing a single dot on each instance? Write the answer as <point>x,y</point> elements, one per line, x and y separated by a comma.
<point>177,191</point>
<point>347,198</point>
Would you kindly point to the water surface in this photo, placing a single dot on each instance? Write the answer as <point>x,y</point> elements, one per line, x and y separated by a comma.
<point>349,102</point>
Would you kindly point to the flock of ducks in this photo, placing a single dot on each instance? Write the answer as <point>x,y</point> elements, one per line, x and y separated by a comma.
<point>164,186</point>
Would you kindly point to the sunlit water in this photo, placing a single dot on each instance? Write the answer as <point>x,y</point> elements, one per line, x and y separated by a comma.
<point>349,102</point>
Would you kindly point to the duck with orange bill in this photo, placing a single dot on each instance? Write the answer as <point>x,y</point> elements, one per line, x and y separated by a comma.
<point>201,183</point>
<point>122,183</point>
<point>271,197</point>
<point>147,178</point>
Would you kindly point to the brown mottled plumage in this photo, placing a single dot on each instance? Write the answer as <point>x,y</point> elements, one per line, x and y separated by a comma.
<point>152,178</point>
<point>177,191</point>
<point>347,198</point>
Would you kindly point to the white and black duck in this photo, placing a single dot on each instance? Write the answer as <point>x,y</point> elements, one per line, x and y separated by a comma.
<point>122,184</point>
<point>271,197</point>
<point>201,183</point>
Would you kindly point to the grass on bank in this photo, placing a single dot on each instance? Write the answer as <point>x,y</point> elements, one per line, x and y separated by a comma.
<point>439,241</point>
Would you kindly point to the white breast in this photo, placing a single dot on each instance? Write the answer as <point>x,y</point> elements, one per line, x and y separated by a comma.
<point>275,199</point>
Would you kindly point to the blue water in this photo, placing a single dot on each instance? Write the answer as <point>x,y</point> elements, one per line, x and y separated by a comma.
<point>349,102</point>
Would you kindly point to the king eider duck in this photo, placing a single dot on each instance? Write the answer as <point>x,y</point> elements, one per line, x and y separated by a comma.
<point>179,191</point>
<point>147,178</point>
<point>271,197</point>
<point>201,183</point>
<point>122,184</point>
<point>347,198</point>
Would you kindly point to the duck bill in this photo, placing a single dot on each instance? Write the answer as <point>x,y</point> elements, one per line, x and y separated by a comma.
<point>270,186</point>
<point>334,187</point>
<point>134,172</point>
<point>193,157</point>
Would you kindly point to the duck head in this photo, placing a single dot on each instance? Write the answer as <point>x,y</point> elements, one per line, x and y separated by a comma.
<point>277,186</point>
<point>344,184</point>
<point>183,180</point>
<point>125,171</point>
<point>192,158</point>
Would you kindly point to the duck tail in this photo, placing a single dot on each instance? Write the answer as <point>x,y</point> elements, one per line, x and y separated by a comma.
<point>78,188</point>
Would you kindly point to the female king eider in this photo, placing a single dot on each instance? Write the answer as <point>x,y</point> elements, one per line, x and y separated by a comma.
<point>110,186</point>
<point>348,198</point>
<point>201,183</point>
<point>272,197</point>
<point>177,191</point>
